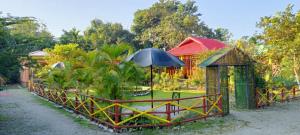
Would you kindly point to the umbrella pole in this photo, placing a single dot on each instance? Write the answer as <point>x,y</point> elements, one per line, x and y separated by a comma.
<point>151,83</point>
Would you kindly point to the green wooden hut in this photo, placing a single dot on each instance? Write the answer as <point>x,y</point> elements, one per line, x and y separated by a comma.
<point>217,77</point>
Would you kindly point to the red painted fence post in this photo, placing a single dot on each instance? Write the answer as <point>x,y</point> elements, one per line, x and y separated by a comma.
<point>43,91</point>
<point>117,115</point>
<point>220,104</point>
<point>92,108</point>
<point>168,112</point>
<point>294,92</point>
<point>204,107</point>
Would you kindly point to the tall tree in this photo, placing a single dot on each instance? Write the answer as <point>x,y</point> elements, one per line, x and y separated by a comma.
<point>281,34</point>
<point>72,36</point>
<point>100,33</point>
<point>18,37</point>
<point>168,22</point>
<point>30,35</point>
<point>222,34</point>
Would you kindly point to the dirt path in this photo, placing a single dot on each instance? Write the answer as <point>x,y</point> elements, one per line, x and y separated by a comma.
<point>280,119</point>
<point>22,113</point>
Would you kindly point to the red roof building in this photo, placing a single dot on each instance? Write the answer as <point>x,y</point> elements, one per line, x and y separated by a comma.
<point>196,45</point>
<point>192,46</point>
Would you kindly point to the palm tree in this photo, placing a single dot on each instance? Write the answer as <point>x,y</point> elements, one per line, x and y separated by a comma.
<point>116,74</point>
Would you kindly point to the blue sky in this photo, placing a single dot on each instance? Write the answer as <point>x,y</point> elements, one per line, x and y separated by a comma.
<point>239,16</point>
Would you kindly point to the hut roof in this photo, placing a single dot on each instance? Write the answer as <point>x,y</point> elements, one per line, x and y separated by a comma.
<point>195,45</point>
<point>227,56</point>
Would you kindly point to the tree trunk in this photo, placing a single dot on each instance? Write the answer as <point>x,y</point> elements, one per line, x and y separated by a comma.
<point>296,68</point>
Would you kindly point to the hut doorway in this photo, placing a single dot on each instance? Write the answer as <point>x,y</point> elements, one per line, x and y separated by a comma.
<point>217,78</point>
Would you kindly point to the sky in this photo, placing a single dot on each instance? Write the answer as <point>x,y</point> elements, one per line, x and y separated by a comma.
<point>239,16</point>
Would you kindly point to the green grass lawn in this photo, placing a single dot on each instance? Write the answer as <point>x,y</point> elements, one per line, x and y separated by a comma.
<point>158,94</point>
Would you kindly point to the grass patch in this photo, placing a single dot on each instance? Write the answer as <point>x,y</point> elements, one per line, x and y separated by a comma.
<point>209,126</point>
<point>4,118</point>
<point>158,94</point>
<point>82,122</point>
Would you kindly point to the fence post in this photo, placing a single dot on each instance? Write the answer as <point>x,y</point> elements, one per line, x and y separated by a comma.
<point>294,92</point>
<point>117,114</point>
<point>50,95</point>
<point>56,95</point>
<point>92,107</point>
<point>256,98</point>
<point>64,98</point>
<point>204,107</point>
<point>168,112</point>
<point>76,102</point>
<point>220,104</point>
<point>43,91</point>
<point>268,97</point>
<point>282,95</point>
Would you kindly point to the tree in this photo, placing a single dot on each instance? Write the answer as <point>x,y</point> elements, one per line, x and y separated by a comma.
<point>98,70</point>
<point>222,34</point>
<point>168,22</point>
<point>281,34</point>
<point>72,36</point>
<point>30,35</point>
<point>100,33</point>
<point>18,37</point>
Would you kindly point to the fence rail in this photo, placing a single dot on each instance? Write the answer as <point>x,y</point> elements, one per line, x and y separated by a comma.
<point>120,114</point>
<point>266,97</point>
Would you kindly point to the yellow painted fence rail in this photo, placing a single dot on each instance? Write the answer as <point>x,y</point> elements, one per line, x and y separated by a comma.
<point>122,114</point>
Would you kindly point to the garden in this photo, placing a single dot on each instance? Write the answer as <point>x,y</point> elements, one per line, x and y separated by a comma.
<point>100,72</point>
<point>102,86</point>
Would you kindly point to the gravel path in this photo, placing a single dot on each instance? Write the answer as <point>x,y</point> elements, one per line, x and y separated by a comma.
<point>280,119</point>
<point>22,113</point>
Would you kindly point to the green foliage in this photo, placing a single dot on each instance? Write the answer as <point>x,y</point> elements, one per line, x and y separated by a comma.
<point>222,34</point>
<point>99,70</point>
<point>18,37</point>
<point>198,76</point>
<point>281,36</point>
<point>73,36</point>
<point>2,80</point>
<point>68,52</point>
<point>100,33</point>
<point>9,67</point>
<point>168,22</point>
<point>143,120</point>
<point>164,81</point>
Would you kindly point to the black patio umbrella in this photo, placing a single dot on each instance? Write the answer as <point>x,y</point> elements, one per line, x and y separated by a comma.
<point>154,57</point>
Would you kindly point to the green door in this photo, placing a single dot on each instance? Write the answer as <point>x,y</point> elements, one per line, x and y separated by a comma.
<point>241,92</point>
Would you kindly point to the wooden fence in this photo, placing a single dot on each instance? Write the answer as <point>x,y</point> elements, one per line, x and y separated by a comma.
<point>122,114</point>
<point>266,97</point>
